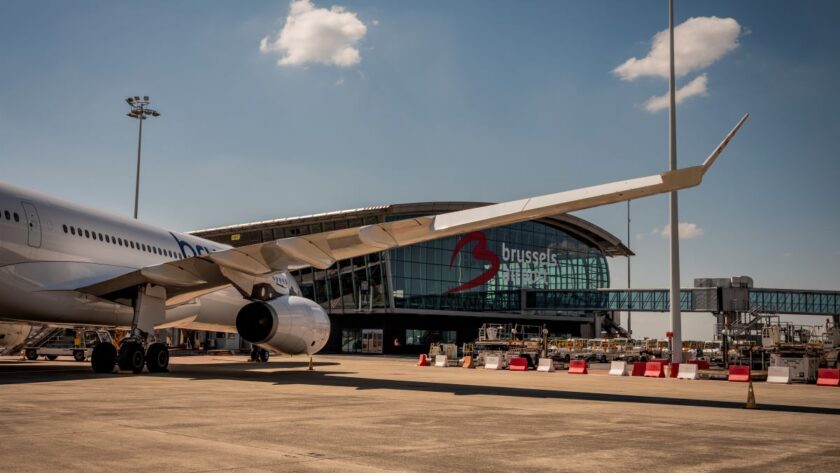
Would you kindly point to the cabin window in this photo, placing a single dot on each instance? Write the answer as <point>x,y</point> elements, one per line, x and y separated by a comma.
<point>17,218</point>
<point>113,240</point>
<point>79,231</point>
<point>8,215</point>
<point>107,239</point>
<point>87,234</point>
<point>65,228</point>
<point>131,243</point>
<point>72,230</point>
<point>100,237</point>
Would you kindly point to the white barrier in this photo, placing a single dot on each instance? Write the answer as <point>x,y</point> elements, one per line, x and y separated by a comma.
<point>546,365</point>
<point>492,363</point>
<point>778,374</point>
<point>688,371</point>
<point>618,368</point>
<point>440,361</point>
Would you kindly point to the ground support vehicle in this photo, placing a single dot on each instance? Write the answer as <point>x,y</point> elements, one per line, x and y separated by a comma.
<point>80,350</point>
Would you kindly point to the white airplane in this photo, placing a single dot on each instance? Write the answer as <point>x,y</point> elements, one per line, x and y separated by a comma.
<point>66,265</point>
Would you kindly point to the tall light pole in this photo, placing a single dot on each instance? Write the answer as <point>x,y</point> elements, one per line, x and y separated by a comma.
<point>676,321</point>
<point>139,110</point>
<point>629,297</point>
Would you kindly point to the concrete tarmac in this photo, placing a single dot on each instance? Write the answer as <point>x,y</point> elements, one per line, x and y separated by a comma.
<point>377,414</point>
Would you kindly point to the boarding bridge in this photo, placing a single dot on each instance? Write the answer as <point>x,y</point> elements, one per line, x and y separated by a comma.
<point>697,299</point>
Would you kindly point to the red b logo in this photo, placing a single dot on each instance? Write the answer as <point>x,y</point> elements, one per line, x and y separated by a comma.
<point>481,253</point>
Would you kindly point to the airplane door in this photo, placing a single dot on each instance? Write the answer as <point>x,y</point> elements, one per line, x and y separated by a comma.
<point>33,223</point>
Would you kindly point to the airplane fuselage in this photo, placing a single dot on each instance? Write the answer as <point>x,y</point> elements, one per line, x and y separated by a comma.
<point>48,246</point>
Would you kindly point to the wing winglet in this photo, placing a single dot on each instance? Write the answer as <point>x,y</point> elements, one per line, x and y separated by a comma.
<point>723,144</point>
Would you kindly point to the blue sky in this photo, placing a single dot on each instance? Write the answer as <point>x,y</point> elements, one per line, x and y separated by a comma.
<point>485,101</point>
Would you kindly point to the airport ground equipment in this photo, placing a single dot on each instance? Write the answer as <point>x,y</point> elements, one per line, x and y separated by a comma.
<point>81,349</point>
<point>510,341</point>
<point>14,337</point>
<point>803,368</point>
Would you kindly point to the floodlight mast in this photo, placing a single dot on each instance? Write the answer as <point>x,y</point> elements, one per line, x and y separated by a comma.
<point>676,316</point>
<point>140,111</point>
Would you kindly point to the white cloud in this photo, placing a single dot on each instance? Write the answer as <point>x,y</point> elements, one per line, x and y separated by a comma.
<point>698,42</point>
<point>695,87</point>
<point>317,35</point>
<point>687,231</point>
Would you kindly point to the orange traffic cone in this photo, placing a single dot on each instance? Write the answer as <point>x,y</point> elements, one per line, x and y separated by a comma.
<point>751,397</point>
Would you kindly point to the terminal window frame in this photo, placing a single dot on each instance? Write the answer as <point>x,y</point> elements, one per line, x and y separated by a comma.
<point>416,337</point>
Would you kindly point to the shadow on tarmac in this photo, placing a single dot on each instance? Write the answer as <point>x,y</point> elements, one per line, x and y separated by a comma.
<point>294,372</point>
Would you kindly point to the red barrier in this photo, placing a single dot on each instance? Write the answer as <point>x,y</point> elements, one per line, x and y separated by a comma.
<point>654,369</point>
<point>739,374</point>
<point>578,367</point>
<point>423,361</point>
<point>828,377</point>
<point>675,370</point>
<point>701,364</point>
<point>638,368</point>
<point>518,364</point>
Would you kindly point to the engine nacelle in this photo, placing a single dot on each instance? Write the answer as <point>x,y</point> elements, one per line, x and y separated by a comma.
<point>288,324</point>
<point>12,335</point>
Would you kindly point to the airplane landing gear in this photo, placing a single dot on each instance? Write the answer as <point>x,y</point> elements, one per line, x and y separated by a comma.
<point>132,357</point>
<point>103,358</point>
<point>157,358</point>
<point>258,354</point>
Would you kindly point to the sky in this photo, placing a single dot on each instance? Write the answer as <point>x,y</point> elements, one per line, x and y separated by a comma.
<point>272,109</point>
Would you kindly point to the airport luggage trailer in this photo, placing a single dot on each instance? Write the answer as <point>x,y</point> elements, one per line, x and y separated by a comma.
<point>78,354</point>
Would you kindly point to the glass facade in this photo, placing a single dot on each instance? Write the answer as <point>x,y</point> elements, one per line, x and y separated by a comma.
<point>485,271</point>
<point>478,272</point>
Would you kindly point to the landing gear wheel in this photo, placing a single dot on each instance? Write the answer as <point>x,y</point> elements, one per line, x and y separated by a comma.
<point>132,357</point>
<point>264,356</point>
<point>103,358</point>
<point>52,357</point>
<point>79,355</point>
<point>31,354</point>
<point>157,358</point>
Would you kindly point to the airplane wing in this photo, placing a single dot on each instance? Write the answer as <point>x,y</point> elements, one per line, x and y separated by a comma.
<point>244,267</point>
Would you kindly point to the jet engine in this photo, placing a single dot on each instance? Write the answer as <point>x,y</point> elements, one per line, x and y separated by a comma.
<point>12,335</point>
<point>288,324</point>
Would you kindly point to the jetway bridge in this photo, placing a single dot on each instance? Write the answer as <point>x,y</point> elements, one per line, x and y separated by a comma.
<point>697,299</point>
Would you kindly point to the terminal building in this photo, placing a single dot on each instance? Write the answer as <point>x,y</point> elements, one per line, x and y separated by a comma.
<point>442,291</point>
